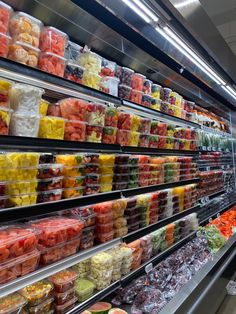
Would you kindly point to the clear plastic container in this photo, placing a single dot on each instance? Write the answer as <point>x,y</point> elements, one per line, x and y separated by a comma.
<point>13,303</point>
<point>146,100</point>
<point>37,292</point>
<point>92,178</point>
<point>21,200</point>
<point>123,137</point>
<point>51,128</point>
<point>58,252</point>
<point>109,85</point>
<point>84,289</point>
<point>55,230</point>
<point>62,309</point>
<point>74,72</point>
<point>26,98</point>
<point>136,96</point>
<point>124,91</point>
<point>47,158</point>
<point>137,81</point>
<point>104,218</point>
<point>73,192</point>
<point>21,187</point>
<point>5,116</point>
<point>111,116</point>
<point>109,135</point>
<point>96,114</point>
<point>53,40</point>
<point>4,44</point>
<point>63,297</point>
<point>144,126</point>
<point>73,171</point>
<point>45,307</point>
<point>73,182</point>
<point>156,91</point>
<point>46,171</point>
<point>64,280</point>
<point>91,79</point>
<point>147,86</point>
<point>144,140</point>
<point>126,76</point>
<point>5,13</point>
<point>94,133</point>
<point>52,63</point>
<point>17,240</point>
<point>92,189</point>
<point>43,107</point>
<point>49,196</point>
<point>91,61</point>
<point>86,214</point>
<point>25,28</point>
<point>23,124</point>
<point>24,53</point>
<point>134,139</point>
<point>73,109</point>
<point>104,237</point>
<point>108,68</point>
<point>75,130</point>
<point>125,121</point>
<point>5,91</point>
<point>19,266</point>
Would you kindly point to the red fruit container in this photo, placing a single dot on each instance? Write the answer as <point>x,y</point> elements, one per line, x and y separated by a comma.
<point>137,81</point>
<point>58,252</point>
<point>52,63</point>
<point>5,12</point>
<point>75,130</point>
<point>92,189</point>
<point>19,266</point>
<point>124,121</point>
<point>144,140</point>
<point>123,137</point>
<point>109,135</point>
<point>64,280</point>
<point>63,297</point>
<point>104,218</point>
<point>111,117</point>
<point>73,109</point>
<point>103,208</point>
<point>16,241</point>
<point>144,126</point>
<point>136,96</point>
<point>153,141</point>
<point>64,308</point>
<point>4,43</point>
<point>57,230</point>
<point>162,142</point>
<point>104,237</point>
<point>46,171</point>
<point>54,41</point>
<point>50,184</point>
<point>49,196</point>
<point>94,133</point>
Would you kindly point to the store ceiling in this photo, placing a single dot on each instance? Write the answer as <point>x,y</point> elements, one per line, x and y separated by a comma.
<point>223,15</point>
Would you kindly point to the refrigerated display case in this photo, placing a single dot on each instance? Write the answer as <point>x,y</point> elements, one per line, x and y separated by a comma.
<point>113,170</point>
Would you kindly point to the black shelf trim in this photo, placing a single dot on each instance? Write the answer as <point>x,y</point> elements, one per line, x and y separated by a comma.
<point>153,188</point>
<point>214,214</point>
<point>62,82</point>
<point>154,151</point>
<point>22,212</point>
<point>150,228</point>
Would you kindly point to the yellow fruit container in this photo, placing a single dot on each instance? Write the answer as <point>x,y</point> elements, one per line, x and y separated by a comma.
<point>52,128</point>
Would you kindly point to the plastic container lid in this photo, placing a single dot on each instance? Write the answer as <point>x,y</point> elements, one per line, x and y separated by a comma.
<point>127,69</point>
<point>4,35</point>
<point>64,307</point>
<point>54,55</point>
<point>36,292</point>
<point>12,303</point>
<point>21,43</point>
<point>6,6</point>
<point>29,17</point>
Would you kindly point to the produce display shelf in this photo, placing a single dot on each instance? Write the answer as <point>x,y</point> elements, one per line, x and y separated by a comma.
<point>14,213</point>
<point>49,270</point>
<point>39,144</point>
<point>144,231</point>
<point>57,87</point>
<point>191,294</point>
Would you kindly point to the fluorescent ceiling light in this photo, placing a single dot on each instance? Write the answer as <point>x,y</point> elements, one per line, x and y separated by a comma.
<point>136,9</point>
<point>229,92</point>
<point>143,7</point>
<point>184,3</point>
<point>184,52</point>
<point>180,42</point>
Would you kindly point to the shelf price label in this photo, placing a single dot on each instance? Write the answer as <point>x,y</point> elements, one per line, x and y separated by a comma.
<point>148,268</point>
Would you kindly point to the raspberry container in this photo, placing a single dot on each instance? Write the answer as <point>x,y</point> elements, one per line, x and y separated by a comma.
<point>46,171</point>
<point>86,214</point>
<point>37,292</point>
<point>64,280</point>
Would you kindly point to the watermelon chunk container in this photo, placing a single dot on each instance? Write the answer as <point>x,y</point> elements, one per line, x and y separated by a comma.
<point>100,308</point>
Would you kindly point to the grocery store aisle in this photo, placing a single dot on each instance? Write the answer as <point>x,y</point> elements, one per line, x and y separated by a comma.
<point>228,306</point>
